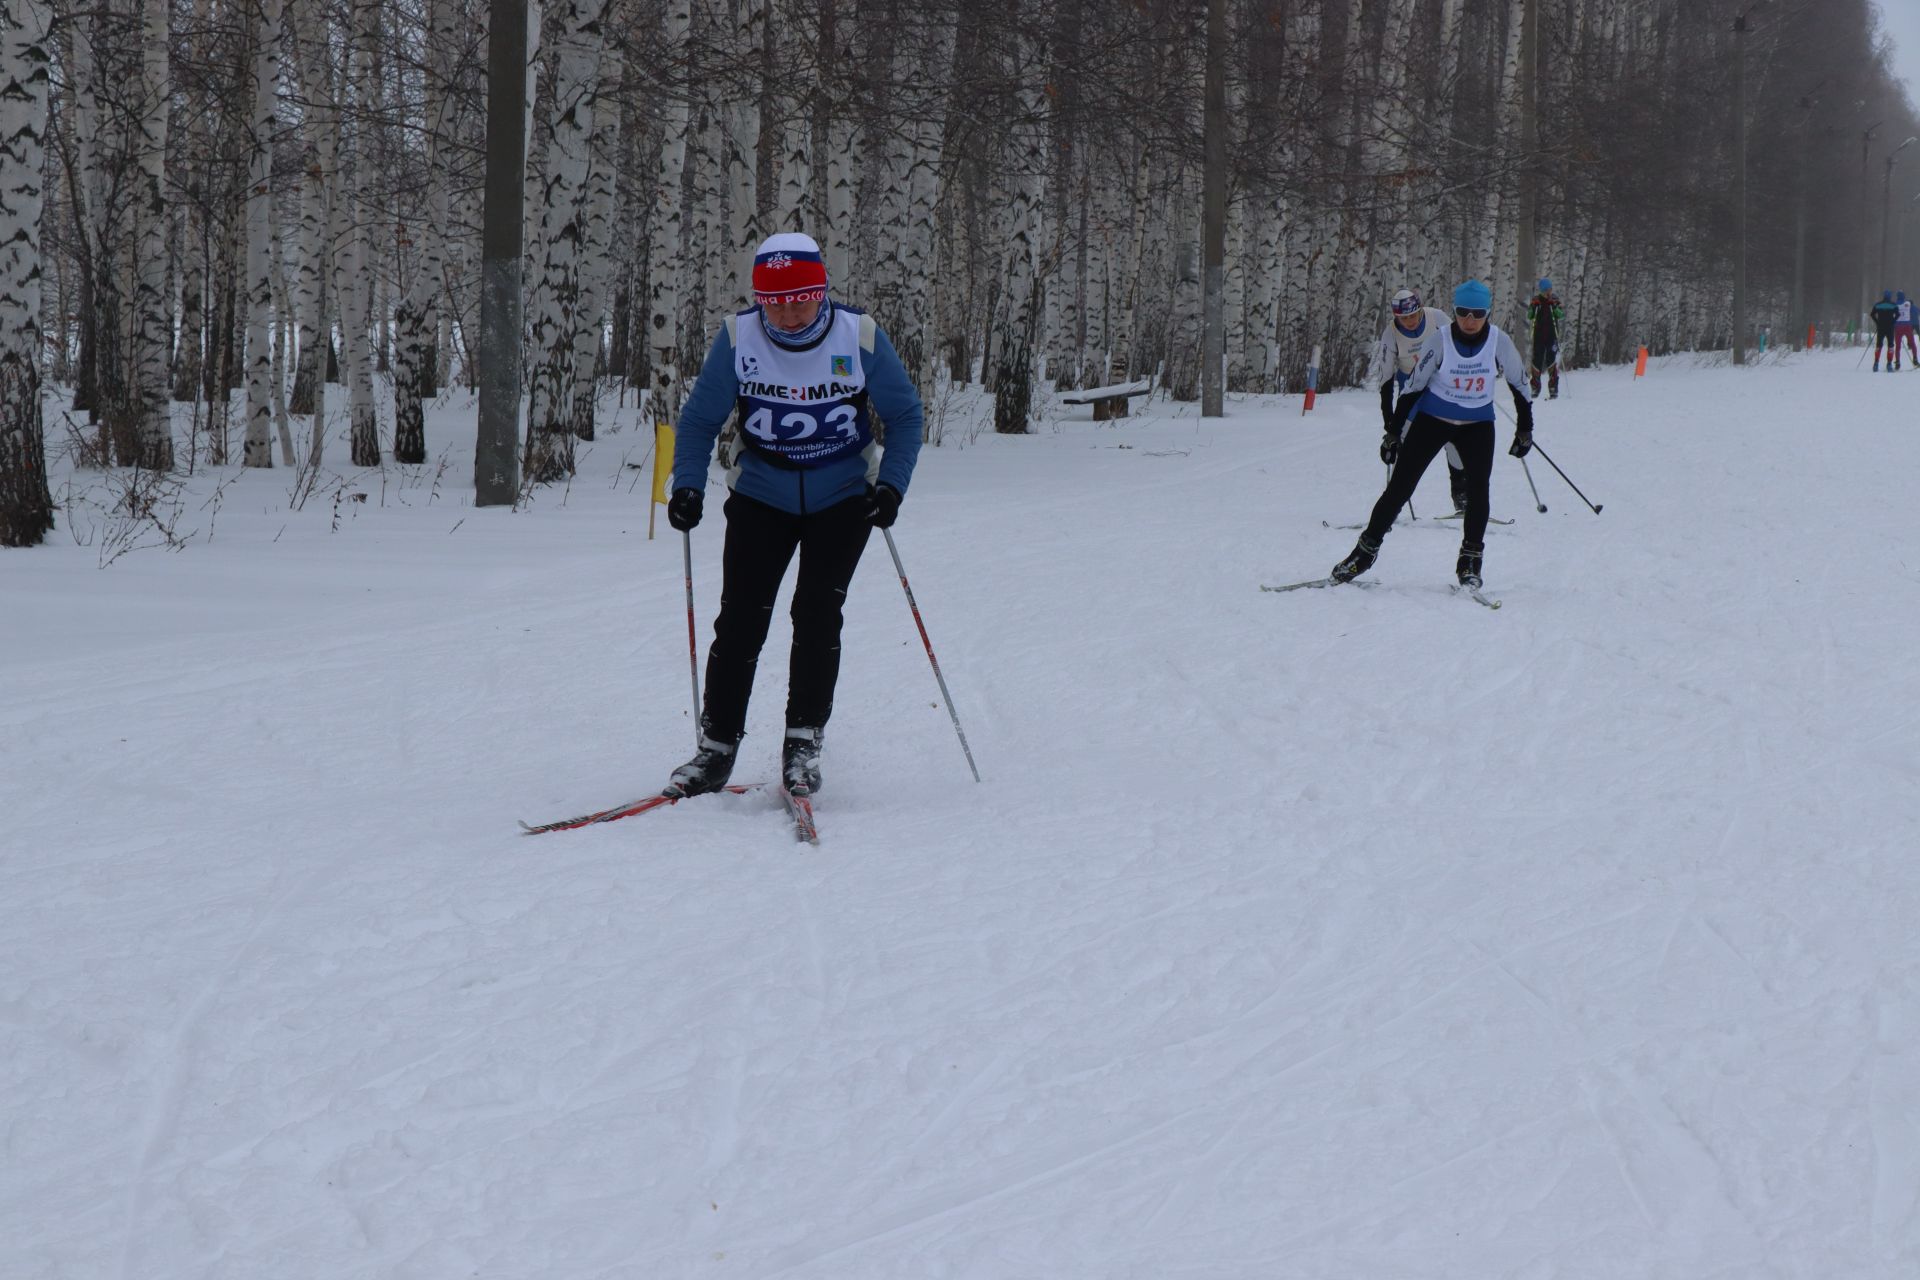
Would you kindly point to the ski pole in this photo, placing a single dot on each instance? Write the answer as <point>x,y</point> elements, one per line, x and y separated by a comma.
<point>1563,475</point>
<point>928,644</point>
<point>1537,504</point>
<point>693,642</point>
<point>1541,506</point>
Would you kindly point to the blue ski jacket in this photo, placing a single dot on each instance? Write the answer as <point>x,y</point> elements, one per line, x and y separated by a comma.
<point>890,397</point>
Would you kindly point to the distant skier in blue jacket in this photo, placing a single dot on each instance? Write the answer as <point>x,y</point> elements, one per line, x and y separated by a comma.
<point>807,376</point>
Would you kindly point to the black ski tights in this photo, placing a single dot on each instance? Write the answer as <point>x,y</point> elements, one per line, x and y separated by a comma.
<point>761,541</point>
<point>1426,437</point>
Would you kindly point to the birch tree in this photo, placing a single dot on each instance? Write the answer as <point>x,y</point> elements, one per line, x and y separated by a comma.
<point>258,449</point>
<point>1013,383</point>
<point>417,325</point>
<point>318,226</point>
<point>26,505</point>
<point>577,41</point>
<point>355,265</point>
<point>150,409</point>
<point>595,271</point>
<point>666,251</point>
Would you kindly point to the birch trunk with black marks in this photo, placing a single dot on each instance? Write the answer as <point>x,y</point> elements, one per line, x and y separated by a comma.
<point>149,404</point>
<point>666,250</point>
<point>417,321</point>
<point>258,448</point>
<point>595,270</point>
<point>578,41</point>
<point>1026,162</point>
<point>26,505</point>
<point>356,262</point>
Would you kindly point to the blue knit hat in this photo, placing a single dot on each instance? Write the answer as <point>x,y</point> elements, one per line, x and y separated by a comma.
<point>1473,295</point>
<point>1900,297</point>
<point>1546,285</point>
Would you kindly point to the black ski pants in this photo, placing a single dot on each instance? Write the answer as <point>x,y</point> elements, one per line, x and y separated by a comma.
<point>760,544</point>
<point>1426,436</point>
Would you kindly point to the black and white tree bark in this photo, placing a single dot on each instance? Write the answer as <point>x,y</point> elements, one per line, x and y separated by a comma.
<point>26,506</point>
<point>150,410</point>
<point>356,265</point>
<point>578,41</point>
<point>1026,163</point>
<point>258,448</point>
<point>666,249</point>
<point>417,324</point>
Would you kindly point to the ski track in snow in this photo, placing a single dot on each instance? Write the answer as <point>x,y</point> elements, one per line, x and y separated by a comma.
<point>1324,934</point>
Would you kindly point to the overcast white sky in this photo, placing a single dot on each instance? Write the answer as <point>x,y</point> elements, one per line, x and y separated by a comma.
<point>1901,20</point>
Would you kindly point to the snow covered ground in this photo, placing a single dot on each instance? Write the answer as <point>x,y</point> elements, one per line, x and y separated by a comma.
<point>1329,935</point>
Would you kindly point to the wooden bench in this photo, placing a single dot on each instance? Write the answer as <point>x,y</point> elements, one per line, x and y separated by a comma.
<point>1108,402</point>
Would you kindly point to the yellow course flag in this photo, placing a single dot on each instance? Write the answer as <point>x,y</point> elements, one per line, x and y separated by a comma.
<point>662,460</point>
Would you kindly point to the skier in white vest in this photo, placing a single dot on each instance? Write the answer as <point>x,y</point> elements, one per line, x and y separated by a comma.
<point>1393,359</point>
<point>1449,399</point>
<point>1903,329</point>
<point>807,376</point>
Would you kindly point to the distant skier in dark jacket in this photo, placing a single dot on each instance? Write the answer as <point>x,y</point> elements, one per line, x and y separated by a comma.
<point>807,376</point>
<point>1449,398</point>
<point>1885,314</point>
<point>1544,314</point>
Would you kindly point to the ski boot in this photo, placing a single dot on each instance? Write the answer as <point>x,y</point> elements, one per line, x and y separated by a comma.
<point>800,760</point>
<point>1358,560</point>
<point>709,769</point>
<point>1467,567</point>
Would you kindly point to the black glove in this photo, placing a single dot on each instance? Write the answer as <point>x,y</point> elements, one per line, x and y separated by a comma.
<point>1389,447</point>
<point>883,505</point>
<point>1522,432</point>
<point>683,512</point>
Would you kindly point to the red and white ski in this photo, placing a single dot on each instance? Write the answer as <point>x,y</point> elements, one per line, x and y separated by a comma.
<point>628,809</point>
<point>800,809</point>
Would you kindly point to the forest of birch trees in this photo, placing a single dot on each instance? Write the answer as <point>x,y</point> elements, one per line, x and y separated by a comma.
<point>222,218</point>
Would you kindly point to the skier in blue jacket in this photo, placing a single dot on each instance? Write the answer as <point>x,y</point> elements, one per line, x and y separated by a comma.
<point>807,377</point>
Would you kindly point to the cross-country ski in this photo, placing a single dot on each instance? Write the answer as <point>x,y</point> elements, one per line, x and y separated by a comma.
<point>630,809</point>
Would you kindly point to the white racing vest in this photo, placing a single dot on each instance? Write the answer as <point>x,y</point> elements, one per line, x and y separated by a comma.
<point>1403,348</point>
<point>1462,388</point>
<point>1906,313</point>
<point>802,408</point>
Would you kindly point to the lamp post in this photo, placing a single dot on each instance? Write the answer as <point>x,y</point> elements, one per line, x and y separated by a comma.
<point>1740,185</point>
<point>1740,177</point>
<point>1900,241</point>
<point>1797,311</point>
<point>1886,203</point>
<point>1864,299</point>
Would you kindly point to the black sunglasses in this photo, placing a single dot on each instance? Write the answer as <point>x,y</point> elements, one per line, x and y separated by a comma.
<point>1471,313</point>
